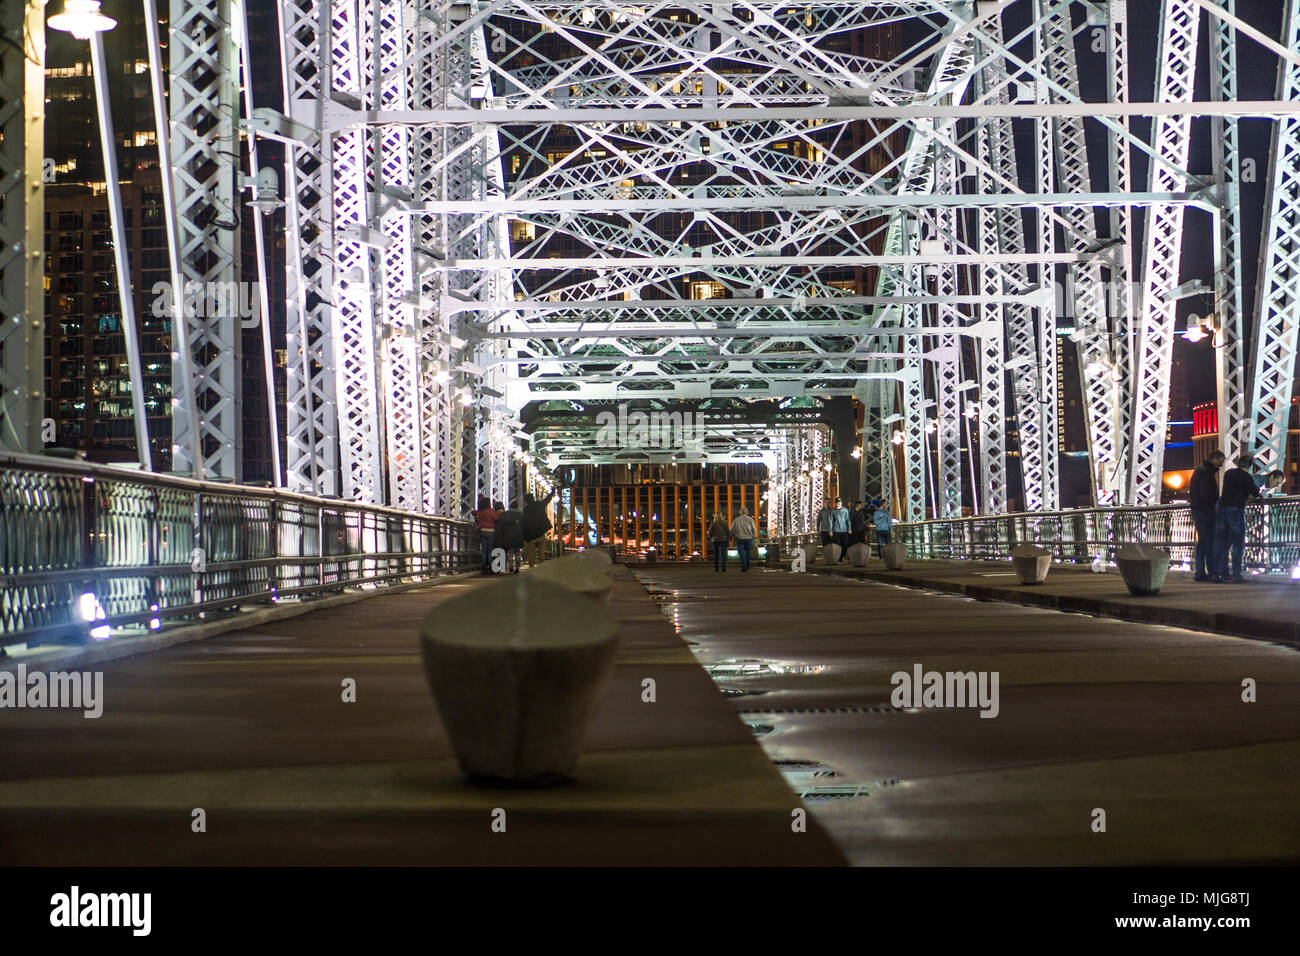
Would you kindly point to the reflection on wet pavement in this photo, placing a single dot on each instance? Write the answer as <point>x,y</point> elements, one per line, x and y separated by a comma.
<point>1145,721</point>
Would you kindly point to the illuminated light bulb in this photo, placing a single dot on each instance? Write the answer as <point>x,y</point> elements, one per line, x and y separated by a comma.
<point>82,19</point>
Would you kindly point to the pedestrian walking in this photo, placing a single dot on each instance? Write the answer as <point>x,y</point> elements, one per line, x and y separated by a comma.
<point>857,524</point>
<point>485,516</point>
<point>1230,524</point>
<point>719,535</point>
<point>826,522</point>
<point>842,526</point>
<point>1203,496</point>
<point>884,523</point>
<point>744,531</point>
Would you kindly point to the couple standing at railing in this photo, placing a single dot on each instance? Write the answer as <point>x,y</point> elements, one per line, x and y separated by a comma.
<point>1219,514</point>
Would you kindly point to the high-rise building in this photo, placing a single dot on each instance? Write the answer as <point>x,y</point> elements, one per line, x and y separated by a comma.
<point>88,387</point>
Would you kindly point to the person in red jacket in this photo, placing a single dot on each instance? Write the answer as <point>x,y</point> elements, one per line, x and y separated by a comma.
<point>486,519</point>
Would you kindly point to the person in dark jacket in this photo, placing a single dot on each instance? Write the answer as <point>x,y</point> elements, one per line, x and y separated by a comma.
<point>858,524</point>
<point>1230,524</point>
<point>536,525</point>
<point>510,537</point>
<point>719,537</point>
<point>1203,496</point>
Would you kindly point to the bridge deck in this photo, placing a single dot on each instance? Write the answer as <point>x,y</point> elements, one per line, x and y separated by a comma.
<point>1265,607</point>
<point>1145,722</point>
<point>251,727</point>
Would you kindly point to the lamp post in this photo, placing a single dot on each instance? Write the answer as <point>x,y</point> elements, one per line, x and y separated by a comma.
<point>83,20</point>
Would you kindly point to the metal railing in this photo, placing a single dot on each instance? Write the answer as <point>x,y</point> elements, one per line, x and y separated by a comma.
<point>1081,536</point>
<point>84,548</point>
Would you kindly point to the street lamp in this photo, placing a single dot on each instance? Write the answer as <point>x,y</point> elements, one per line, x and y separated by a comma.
<point>83,20</point>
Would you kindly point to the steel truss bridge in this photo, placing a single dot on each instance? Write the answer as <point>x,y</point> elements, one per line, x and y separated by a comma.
<point>493,204</point>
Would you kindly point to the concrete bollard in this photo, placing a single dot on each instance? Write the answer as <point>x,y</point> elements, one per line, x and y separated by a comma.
<point>576,573</point>
<point>1031,563</point>
<point>831,553</point>
<point>860,555</point>
<point>596,557</point>
<point>773,553</point>
<point>516,671</point>
<point>894,555</point>
<point>1143,568</point>
<point>651,556</point>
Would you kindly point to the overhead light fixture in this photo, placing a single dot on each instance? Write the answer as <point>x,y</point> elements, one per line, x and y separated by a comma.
<point>82,19</point>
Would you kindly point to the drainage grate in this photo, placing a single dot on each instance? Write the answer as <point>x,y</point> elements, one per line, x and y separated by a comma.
<point>812,768</point>
<point>880,709</point>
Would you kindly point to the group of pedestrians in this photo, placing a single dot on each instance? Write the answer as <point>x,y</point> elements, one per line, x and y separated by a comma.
<point>512,530</point>
<point>1219,514</point>
<point>743,531</point>
<point>846,525</point>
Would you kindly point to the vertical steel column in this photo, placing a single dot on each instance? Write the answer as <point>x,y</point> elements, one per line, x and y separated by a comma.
<point>990,352</point>
<point>354,248</point>
<point>1111,382</point>
<point>397,72</point>
<point>311,413</point>
<point>22,225</point>
<point>204,106</point>
<point>1277,313</point>
<point>1171,136</point>
<point>183,373</point>
<point>1232,368</point>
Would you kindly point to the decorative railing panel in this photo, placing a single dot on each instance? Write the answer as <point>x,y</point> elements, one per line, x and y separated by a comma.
<point>1083,536</point>
<point>86,548</point>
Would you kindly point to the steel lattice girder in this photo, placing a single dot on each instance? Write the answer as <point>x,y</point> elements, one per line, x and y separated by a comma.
<point>311,418</point>
<point>1233,371</point>
<point>644,96</point>
<point>22,201</point>
<point>1102,398</point>
<point>1277,322</point>
<point>204,105</point>
<point>1175,82</point>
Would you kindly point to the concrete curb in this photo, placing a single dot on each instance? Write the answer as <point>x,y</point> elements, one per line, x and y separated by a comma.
<point>1141,610</point>
<point>80,656</point>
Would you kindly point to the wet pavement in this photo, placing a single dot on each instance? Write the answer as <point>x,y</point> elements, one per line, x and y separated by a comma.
<point>1266,607</point>
<point>251,728</point>
<point>1146,723</point>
